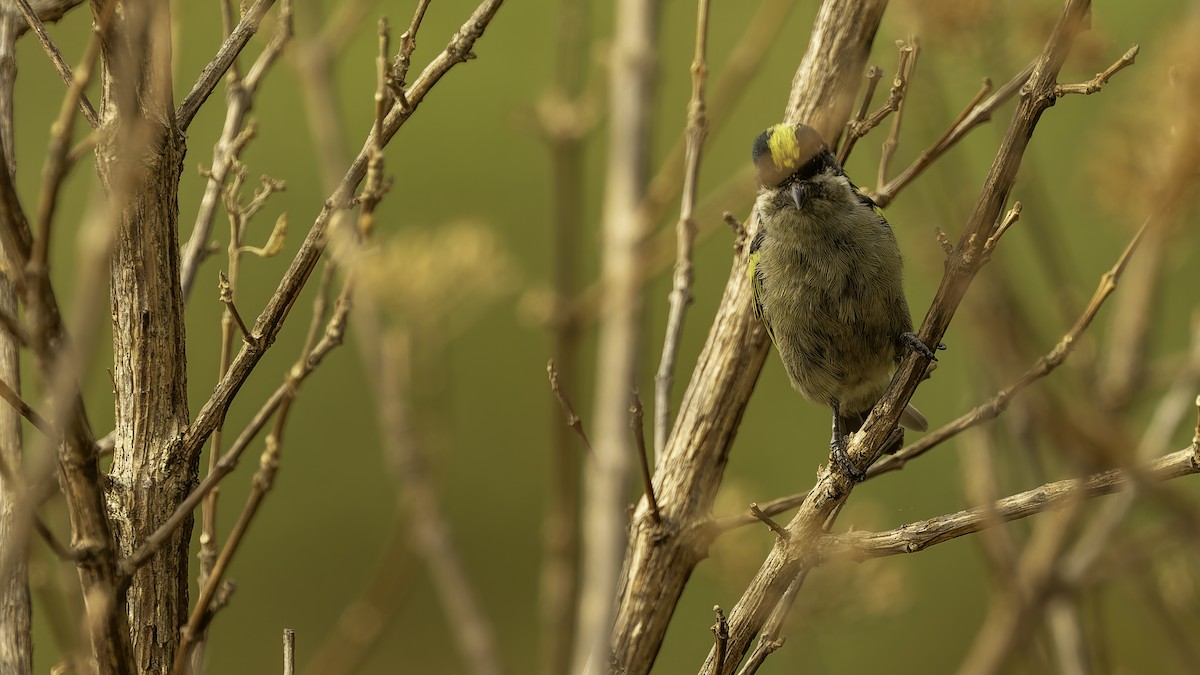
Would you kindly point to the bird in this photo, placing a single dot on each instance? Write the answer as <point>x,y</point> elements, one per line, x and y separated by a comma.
<point>826,274</point>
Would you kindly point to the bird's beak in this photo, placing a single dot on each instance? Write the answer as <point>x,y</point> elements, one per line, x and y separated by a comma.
<point>799,191</point>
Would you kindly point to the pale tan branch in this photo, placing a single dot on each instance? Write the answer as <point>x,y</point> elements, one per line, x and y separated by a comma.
<point>221,62</point>
<point>1097,83</point>
<point>976,113</point>
<point>14,399</point>
<point>270,320</point>
<point>685,235</point>
<point>56,58</point>
<point>636,425</point>
<point>660,560</point>
<point>832,488</point>
<point>998,403</point>
<point>923,534</point>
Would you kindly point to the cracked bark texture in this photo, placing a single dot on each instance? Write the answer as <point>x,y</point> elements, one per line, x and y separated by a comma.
<point>140,164</point>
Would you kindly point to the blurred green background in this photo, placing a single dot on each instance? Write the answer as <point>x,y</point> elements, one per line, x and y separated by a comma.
<point>471,154</point>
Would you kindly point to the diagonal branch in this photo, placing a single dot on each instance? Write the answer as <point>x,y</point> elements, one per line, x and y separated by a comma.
<point>660,560</point>
<point>270,320</point>
<point>832,488</point>
<point>224,58</point>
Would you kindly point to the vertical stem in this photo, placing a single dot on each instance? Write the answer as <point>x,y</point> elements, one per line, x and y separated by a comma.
<point>16,647</point>
<point>140,164</point>
<point>560,530</point>
<point>685,235</point>
<point>631,72</point>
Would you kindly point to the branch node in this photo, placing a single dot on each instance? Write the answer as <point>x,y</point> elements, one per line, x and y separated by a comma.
<point>1013,215</point>
<point>720,631</point>
<point>639,438</point>
<point>775,527</point>
<point>944,241</point>
<point>573,420</point>
<point>227,297</point>
<point>1097,83</point>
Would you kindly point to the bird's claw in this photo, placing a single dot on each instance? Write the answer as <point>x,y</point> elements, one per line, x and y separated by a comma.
<point>909,339</point>
<point>837,454</point>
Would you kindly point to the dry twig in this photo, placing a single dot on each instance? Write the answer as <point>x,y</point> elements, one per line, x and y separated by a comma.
<point>685,235</point>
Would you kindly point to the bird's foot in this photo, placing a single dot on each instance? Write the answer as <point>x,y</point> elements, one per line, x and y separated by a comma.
<point>837,455</point>
<point>909,339</point>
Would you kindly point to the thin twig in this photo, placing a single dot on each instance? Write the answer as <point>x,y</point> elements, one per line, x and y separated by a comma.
<point>720,631</point>
<point>234,136</point>
<point>289,651</point>
<point>770,523</point>
<point>263,481</point>
<point>224,58</point>
<point>860,126</point>
<point>976,113</point>
<point>998,403</point>
<point>573,420</point>
<point>853,127</point>
<point>57,166</point>
<point>727,91</point>
<point>639,440</point>
<point>1010,218</point>
<point>772,638</point>
<point>903,81</point>
<point>334,333</point>
<point>85,106</point>
<point>917,536</point>
<point>271,318</point>
<point>685,234</point>
<point>1097,83</point>
<point>227,298</point>
<point>833,487</point>
<point>14,399</point>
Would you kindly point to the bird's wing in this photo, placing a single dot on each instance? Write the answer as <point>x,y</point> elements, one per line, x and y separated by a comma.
<point>869,203</point>
<point>757,281</point>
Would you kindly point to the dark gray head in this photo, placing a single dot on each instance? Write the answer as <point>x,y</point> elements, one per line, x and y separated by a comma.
<point>787,155</point>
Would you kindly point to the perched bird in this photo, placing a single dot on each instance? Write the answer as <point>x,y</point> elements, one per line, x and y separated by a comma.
<point>826,273</point>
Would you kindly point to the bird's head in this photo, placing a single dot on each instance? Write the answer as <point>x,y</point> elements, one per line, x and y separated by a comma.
<point>792,158</point>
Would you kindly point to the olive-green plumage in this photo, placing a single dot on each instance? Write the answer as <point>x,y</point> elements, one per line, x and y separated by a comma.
<point>826,273</point>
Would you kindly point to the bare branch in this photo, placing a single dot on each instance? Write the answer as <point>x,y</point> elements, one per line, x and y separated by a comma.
<point>271,319</point>
<point>832,488</point>
<point>769,522</point>
<point>1097,83</point>
<point>920,535</point>
<point>56,58</point>
<point>14,399</point>
<point>976,113</point>
<point>289,651</point>
<point>855,128</point>
<point>901,83</point>
<point>639,440</point>
<point>660,560</point>
<point>998,403</point>
<point>234,136</point>
<point>224,58</point>
<point>685,235</point>
<point>720,631</point>
<point>573,420</point>
<point>623,227</point>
